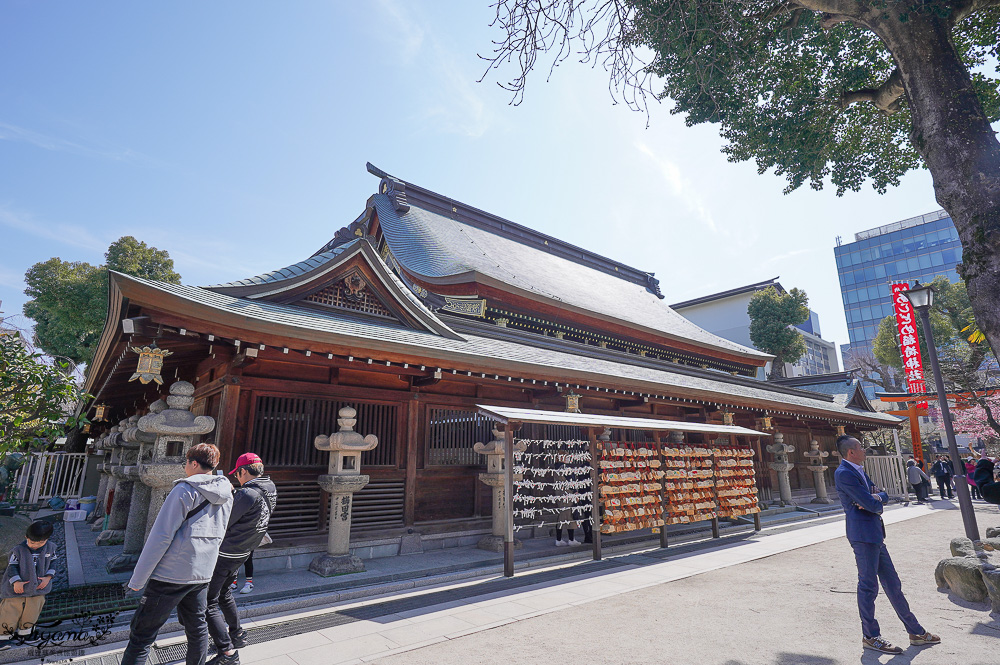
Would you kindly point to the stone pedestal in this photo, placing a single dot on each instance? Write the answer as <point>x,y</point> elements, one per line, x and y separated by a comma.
<point>107,480</point>
<point>138,511</point>
<point>782,466</point>
<point>112,530</point>
<point>174,430</point>
<point>816,457</point>
<point>496,478</point>
<point>342,481</point>
<point>135,528</point>
<point>115,533</point>
<point>338,558</point>
<point>102,489</point>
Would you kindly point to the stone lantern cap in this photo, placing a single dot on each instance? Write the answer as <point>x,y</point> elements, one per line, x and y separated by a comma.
<point>496,446</point>
<point>345,448</point>
<point>346,440</point>
<point>177,419</point>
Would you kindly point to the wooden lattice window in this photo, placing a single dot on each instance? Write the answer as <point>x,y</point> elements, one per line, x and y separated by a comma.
<point>451,433</point>
<point>340,295</point>
<point>285,428</point>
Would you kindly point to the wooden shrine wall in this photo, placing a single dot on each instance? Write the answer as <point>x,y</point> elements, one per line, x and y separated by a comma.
<point>424,471</point>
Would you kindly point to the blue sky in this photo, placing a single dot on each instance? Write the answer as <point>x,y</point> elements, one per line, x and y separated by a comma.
<point>235,135</point>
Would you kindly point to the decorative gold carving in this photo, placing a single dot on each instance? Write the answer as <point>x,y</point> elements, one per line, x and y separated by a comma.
<point>463,306</point>
<point>150,363</point>
<point>354,285</point>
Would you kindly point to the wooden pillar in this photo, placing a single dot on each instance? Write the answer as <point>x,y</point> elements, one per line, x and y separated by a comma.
<point>228,416</point>
<point>413,412</point>
<point>508,458</point>
<point>918,445</point>
<point>657,438</point>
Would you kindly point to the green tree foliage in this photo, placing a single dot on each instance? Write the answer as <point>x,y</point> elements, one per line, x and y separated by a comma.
<point>69,300</point>
<point>773,317</point>
<point>966,366</point>
<point>37,397</point>
<point>821,91</point>
<point>950,315</point>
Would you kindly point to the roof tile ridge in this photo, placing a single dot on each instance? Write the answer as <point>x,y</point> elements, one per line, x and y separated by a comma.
<point>305,265</point>
<point>487,221</point>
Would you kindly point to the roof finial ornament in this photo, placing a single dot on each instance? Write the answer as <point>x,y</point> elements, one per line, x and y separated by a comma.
<point>654,285</point>
<point>396,191</point>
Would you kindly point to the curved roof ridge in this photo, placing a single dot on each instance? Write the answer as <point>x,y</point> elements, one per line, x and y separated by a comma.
<point>288,272</point>
<point>409,193</point>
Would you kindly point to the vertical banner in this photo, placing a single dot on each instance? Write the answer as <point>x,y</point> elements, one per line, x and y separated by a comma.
<point>909,346</point>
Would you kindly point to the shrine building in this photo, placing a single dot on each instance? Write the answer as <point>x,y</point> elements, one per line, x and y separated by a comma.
<point>414,313</point>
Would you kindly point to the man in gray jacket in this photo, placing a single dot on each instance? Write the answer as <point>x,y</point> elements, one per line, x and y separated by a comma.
<point>179,557</point>
<point>918,479</point>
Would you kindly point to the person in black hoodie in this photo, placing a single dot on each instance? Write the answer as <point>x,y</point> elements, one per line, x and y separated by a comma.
<point>985,480</point>
<point>253,504</point>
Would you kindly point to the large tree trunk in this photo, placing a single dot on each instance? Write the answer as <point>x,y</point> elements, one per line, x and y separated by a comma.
<point>953,135</point>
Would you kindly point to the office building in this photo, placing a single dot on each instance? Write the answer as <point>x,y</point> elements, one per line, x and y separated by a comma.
<point>919,248</point>
<point>725,314</point>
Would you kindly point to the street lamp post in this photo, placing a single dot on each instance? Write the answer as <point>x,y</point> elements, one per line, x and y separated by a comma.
<point>922,297</point>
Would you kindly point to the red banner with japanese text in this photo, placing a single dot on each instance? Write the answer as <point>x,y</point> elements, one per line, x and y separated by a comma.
<point>909,345</point>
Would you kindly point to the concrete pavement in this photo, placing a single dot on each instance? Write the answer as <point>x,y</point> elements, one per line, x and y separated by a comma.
<point>774,598</point>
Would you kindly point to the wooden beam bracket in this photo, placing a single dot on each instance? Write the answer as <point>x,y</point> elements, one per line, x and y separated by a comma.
<point>429,380</point>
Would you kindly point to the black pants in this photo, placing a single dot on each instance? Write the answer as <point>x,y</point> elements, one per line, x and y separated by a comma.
<point>944,485</point>
<point>221,614</point>
<point>158,601</point>
<point>974,491</point>
<point>248,566</point>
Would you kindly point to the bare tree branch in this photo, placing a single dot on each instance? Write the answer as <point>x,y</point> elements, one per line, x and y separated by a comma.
<point>885,97</point>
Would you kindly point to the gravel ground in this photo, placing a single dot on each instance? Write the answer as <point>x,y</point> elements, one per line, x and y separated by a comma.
<point>795,608</point>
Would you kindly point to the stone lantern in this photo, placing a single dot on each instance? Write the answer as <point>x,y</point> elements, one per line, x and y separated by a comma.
<point>175,430</point>
<point>818,468</point>
<point>782,466</point>
<point>108,443</point>
<point>138,510</point>
<point>496,478</point>
<point>115,531</point>
<point>96,515</point>
<point>342,480</point>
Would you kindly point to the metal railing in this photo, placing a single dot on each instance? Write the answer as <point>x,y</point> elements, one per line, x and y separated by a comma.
<point>889,473</point>
<point>900,225</point>
<point>45,475</point>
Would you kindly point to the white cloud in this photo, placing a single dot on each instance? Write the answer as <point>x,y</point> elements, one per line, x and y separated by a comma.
<point>788,255</point>
<point>68,234</point>
<point>408,35</point>
<point>11,280</point>
<point>681,187</point>
<point>450,102</point>
<point>13,133</point>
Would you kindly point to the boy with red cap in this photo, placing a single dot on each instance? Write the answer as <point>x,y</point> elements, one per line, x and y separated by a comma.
<point>253,503</point>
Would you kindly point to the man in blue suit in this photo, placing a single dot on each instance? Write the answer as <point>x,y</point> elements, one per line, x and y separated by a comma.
<point>863,503</point>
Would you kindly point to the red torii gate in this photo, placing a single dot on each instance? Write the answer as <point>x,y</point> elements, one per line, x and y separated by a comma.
<point>912,411</point>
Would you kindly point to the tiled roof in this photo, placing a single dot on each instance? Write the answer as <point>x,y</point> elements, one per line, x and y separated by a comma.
<point>749,288</point>
<point>478,351</point>
<point>289,272</point>
<point>440,248</point>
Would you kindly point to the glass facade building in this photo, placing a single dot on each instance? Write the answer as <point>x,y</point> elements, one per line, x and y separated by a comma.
<point>919,248</point>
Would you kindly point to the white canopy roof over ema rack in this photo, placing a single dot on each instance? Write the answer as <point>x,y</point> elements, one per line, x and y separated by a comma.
<point>505,414</point>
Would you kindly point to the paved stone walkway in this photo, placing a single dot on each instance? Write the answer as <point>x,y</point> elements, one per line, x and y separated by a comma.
<point>546,615</point>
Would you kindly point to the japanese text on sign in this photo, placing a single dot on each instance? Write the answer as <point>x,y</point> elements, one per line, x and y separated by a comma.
<point>909,345</point>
